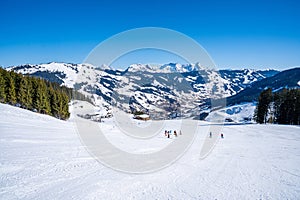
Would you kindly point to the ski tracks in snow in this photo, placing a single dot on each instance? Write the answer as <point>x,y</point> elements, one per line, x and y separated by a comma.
<point>43,158</point>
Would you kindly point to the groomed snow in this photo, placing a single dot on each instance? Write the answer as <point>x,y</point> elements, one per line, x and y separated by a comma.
<point>43,158</point>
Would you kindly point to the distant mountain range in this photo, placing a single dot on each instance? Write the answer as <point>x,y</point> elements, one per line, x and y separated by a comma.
<point>166,91</point>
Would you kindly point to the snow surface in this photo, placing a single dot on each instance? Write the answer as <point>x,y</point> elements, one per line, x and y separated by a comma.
<point>237,113</point>
<point>42,158</point>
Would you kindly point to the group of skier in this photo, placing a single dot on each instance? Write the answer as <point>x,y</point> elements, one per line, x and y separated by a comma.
<point>168,133</point>
<point>210,135</point>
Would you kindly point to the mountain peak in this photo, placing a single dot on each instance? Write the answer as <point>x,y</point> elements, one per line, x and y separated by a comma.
<point>140,67</point>
<point>166,68</point>
<point>181,68</point>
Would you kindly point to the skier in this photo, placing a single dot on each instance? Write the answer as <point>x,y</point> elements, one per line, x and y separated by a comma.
<point>168,135</point>
<point>166,132</point>
<point>210,134</point>
<point>222,136</point>
<point>175,133</point>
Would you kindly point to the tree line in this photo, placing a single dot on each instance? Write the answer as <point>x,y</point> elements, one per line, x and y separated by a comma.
<point>36,94</point>
<point>280,107</point>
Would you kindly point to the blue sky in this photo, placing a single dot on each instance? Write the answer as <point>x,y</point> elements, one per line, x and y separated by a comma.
<point>237,34</point>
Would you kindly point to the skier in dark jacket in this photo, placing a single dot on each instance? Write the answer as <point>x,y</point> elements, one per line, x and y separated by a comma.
<point>222,136</point>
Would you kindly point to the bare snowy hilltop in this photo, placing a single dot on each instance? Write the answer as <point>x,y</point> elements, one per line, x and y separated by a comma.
<point>43,158</point>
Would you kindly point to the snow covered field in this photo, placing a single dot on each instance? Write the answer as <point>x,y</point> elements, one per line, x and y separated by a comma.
<point>43,158</point>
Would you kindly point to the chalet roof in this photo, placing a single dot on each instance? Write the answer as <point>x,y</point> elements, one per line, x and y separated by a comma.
<point>144,116</point>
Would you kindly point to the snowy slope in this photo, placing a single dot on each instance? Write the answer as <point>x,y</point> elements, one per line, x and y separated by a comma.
<point>66,73</point>
<point>42,158</point>
<point>237,113</point>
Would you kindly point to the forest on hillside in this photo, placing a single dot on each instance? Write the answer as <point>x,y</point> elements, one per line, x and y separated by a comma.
<point>36,94</point>
<point>281,107</point>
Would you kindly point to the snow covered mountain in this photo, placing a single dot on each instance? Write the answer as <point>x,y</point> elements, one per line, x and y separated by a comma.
<point>62,73</point>
<point>285,79</point>
<point>166,68</point>
<point>165,91</point>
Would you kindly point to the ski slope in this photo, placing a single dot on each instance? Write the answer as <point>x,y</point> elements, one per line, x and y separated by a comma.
<point>236,113</point>
<point>43,158</point>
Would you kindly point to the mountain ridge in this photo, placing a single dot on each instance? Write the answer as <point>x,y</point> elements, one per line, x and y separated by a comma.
<point>166,91</point>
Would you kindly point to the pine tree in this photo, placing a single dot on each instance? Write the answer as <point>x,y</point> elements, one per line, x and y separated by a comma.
<point>2,85</point>
<point>60,104</point>
<point>285,109</point>
<point>28,95</point>
<point>287,106</point>
<point>65,107</point>
<point>45,101</point>
<point>278,99</point>
<point>264,100</point>
<point>296,118</point>
<point>22,92</point>
<point>17,80</point>
<point>10,89</point>
<point>294,105</point>
<point>54,104</point>
<point>36,95</point>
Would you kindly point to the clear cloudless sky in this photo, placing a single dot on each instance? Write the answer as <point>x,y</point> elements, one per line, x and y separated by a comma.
<point>237,34</point>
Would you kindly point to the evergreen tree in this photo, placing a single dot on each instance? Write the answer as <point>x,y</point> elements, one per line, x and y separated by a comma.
<point>45,101</point>
<point>65,107</point>
<point>17,80</point>
<point>278,100</point>
<point>285,107</point>
<point>2,85</point>
<point>22,92</point>
<point>10,89</point>
<point>263,106</point>
<point>35,93</point>
<point>296,118</point>
<point>28,93</point>
<point>290,108</point>
<point>54,104</point>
